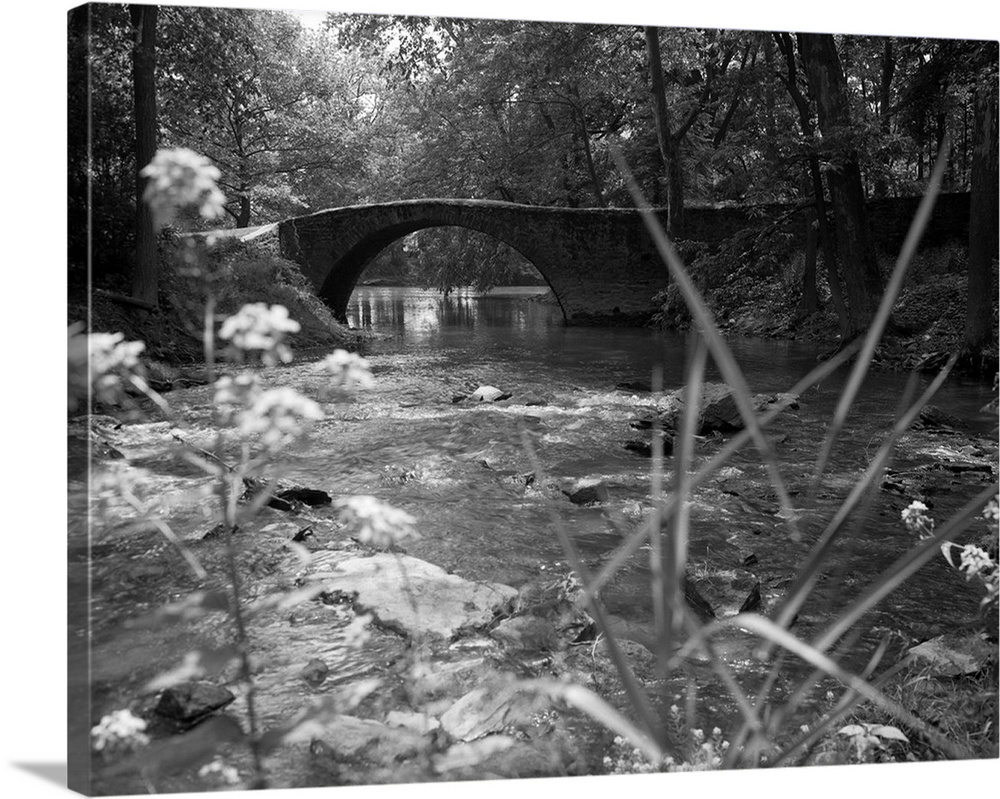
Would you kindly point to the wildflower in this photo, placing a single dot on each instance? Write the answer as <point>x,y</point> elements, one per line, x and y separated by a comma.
<point>347,370</point>
<point>974,561</point>
<point>228,774</point>
<point>992,510</point>
<point>916,519</point>
<point>120,729</point>
<point>377,523</point>
<point>716,732</point>
<point>277,417</point>
<point>179,179</point>
<point>257,327</point>
<point>100,364</point>
<point>698,734</point>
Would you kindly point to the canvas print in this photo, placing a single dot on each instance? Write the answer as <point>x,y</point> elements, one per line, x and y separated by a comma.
<point>486,399</point>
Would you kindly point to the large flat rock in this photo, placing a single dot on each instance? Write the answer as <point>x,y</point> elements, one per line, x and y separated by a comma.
<point>415,597</point>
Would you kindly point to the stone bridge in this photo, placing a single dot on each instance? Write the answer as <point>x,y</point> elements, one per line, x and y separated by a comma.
<point>600,263</point>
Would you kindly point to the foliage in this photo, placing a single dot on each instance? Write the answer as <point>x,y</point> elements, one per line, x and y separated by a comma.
<point>767,735</point>
<point>266,423</point>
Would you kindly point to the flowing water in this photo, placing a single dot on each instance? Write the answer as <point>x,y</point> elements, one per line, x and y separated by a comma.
<point>461,468</point>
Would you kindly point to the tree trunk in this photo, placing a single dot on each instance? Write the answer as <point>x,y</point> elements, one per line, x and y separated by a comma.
<point>855,247</point>
<point>884,119</point>
<point>144,274</point>
<point>784,42</point>
<point>664,135</point>
<point>809,303</point>
<point>983,213</point>
<point>243,217</point>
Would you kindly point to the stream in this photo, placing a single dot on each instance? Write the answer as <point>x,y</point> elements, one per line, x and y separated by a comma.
<point>460,469</point>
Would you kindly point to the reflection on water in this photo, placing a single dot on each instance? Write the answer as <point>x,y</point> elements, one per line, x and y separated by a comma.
<point>518,325</point>
<point>425,316</point>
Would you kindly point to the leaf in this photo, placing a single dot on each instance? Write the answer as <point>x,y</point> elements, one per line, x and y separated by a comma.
<point>591,704</point>
<point>851,730</point>
<point>891,733</point>
<point>196,665</point>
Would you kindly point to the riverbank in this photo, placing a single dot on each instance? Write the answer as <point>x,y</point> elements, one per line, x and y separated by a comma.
<point>239,273</point>
<point>761,296</point>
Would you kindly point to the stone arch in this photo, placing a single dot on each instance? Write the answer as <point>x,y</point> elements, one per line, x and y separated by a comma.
<point>600,263</point>
<point>356,256</point>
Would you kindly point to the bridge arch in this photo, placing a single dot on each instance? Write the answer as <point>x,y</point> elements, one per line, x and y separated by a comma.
<point>598,262</point>
<point>340,282</point>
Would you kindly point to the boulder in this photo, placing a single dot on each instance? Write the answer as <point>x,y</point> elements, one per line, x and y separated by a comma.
<point>353,738</point>
<point>954,654</point>
<point>586,492</point>
<point>314,672</point>
<point>190,702</point>
<point>527,632</point>
<point>718,411</point>
<point>488,394</point>
<point>417,598</point>
<point>486,710</point>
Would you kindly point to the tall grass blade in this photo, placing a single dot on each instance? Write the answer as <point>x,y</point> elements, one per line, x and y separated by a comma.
<point>665,511</point>
<point>878,325</point>
<point>724,359</point>
<point>904,568</point>
<point>809,572</point>
<point>779,636</point>
<point>633,690</point>
<point>590,703</point>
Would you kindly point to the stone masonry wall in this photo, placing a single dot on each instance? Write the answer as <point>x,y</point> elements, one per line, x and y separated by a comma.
<point>599,262</point>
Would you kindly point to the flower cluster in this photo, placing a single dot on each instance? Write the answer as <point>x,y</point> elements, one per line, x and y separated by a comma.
<point>179,179</point>
<point>99,365</point>
<point>276,417</point>
<point>377,523</point>
<point>220,771</point>
<point>348,371</point>
<point>120,730</point>
<point>973,560</point>
<point>917,521</point>
<point>257,327</point>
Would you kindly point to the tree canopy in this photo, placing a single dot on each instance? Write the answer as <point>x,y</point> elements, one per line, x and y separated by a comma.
<point>371,108</point>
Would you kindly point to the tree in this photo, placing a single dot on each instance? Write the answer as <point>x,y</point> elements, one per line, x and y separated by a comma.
<point>669,139</point>
<point>262,98</point>
<point>863,283</point>
<point>145,268</point>
<point>983,214</point>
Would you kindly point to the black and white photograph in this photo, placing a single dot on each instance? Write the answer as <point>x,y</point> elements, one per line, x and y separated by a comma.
<point>472,396</point>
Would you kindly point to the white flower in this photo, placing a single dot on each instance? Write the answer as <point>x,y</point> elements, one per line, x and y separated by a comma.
<point>181,178</point>
<point>259,328</point>
<point>347,371</point>
<point>916,519</point>
<point>974,561</point>
<point>228,774</point>
<point>276,417</point>
<point>100,363</point>
<point>279,416</point>
<point>992,511</point>
<point>377,523</point>
<point>119,729</point>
